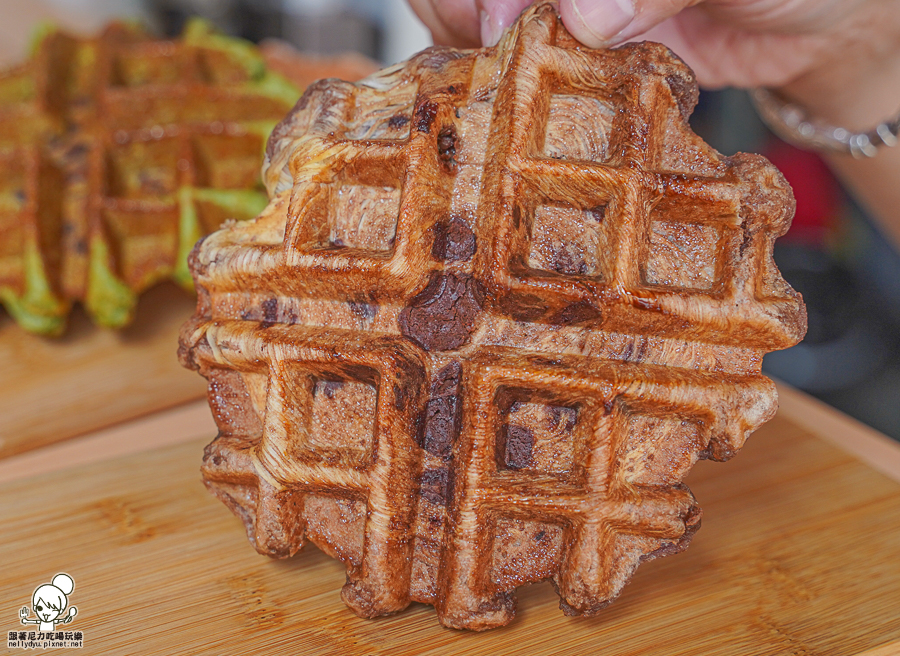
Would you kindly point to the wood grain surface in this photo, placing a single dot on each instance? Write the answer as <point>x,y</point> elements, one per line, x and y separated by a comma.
<point>798,554</point>
<point>54,389</point>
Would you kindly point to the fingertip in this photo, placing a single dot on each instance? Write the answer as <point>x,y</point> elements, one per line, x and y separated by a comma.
<point>497,15</point>
<point>597,23</point>
<point>451,22</point>
<point>490,32</point>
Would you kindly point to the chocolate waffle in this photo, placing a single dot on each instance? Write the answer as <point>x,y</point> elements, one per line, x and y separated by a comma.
<point>501,301</point>
<point>116,154</point>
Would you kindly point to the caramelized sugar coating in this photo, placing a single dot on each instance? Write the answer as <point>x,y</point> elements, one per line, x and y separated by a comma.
<point>500,302</point>
<point>116,154</point>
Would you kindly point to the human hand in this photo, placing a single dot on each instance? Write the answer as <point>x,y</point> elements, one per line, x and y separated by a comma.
<point>827,54</point>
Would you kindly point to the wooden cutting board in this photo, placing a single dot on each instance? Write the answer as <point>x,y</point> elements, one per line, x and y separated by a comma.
<point>799,554</point>
<point>54,389</point>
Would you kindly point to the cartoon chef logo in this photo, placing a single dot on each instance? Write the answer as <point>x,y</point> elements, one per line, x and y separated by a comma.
<point>50,605</point>
<point>49,601</point>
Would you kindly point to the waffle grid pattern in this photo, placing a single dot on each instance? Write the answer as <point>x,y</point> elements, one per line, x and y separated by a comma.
<point>459,192</point>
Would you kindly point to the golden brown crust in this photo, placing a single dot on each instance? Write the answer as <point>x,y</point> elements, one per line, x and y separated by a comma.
<point>535,298</point>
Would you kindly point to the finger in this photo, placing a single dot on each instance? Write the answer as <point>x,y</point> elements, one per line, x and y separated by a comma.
<point>602,23</point>
<point>452,22</point>
<point>496,15</point>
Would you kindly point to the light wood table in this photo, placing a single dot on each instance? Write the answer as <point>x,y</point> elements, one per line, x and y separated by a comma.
<point>90,378</point>
<point>799,554</point>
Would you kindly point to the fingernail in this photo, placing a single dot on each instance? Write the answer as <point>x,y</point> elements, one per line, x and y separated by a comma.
<point>603,19</point>
<point>490,30</point>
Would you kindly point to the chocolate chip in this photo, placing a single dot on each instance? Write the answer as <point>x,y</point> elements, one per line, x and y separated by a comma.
<point>437,485</point>
<point>517,217</point>
<point>746,239</point>
<point>524,307</point>
<point>151,183</point>
<point>328,388</point>
<point>270,310</point>
<point>567,259</point>
<point>363,311</point>
<point>75,152</point>
<point>517,447</point>
<point>397,121</point>
<point>577,313</point>
<point>446,381</point>
<point>598,213</point>
<point>425,115</point>
<point>454,241</point>
<point>443,416</point>
<point>443,315</point>
<point>685,93</point>
<point>401,398</point>
<point>562,418</point>
<point>447,147</point>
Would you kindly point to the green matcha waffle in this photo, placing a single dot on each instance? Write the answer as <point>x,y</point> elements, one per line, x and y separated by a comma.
<point>117,153</point>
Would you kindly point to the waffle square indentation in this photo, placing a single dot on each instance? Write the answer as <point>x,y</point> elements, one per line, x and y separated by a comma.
<point>682,255</point>
<point>145,240</point>
<point>525,550</point>
<point>537,437</point>
<point>365,217</point>
<point>143,169</point>
<point>657,449</point>
<point>578,128</point>
<point>568,240</point>
<point>226,161</point>
<point>343,415</point>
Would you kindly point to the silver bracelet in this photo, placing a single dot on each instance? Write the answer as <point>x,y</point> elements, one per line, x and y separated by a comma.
<point>792,123</point>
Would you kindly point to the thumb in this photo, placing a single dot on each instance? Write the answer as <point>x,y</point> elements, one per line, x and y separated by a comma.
<point>600,23</point>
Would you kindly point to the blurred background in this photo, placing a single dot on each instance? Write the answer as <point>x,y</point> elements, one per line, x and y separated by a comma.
<point>848,273</point>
